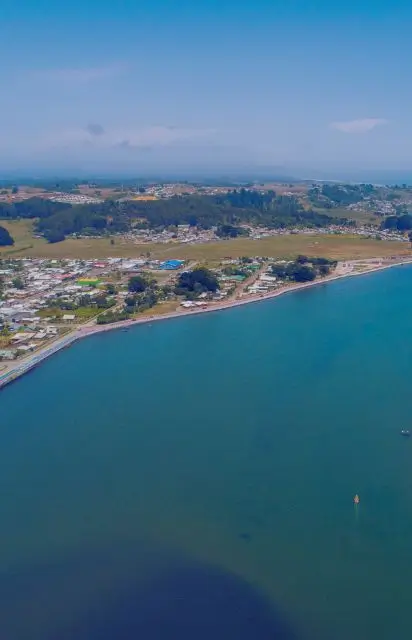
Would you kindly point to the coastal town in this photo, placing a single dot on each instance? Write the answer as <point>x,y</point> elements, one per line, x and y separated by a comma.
<point>176,248</point>
<point>190,213</point>
<point>46,305</point>
<point>185,234</point>
<point>205,311</point>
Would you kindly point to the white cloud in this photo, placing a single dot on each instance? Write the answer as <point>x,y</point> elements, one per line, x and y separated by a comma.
<point>363,125</point>
<point>161,135</point>
<point>77,75</point>
<point>143,138</point>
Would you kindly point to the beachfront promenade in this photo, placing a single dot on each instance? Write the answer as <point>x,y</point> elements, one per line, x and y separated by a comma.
<point>25,366</point>
<point>29,363</point>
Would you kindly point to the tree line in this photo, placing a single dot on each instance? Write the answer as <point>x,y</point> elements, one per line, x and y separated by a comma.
<point>56,220</point>
<point>303,269</point>
<point>398,223</point>
<point>6,239</point>
<point>340,195</point>
<point>193,283</point>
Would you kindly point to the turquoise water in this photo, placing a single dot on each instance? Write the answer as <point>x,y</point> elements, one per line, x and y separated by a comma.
<point>195,478</point>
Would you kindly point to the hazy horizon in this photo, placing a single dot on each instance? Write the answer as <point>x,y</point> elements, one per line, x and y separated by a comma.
<point>233,174</point>
<point>309,91</point>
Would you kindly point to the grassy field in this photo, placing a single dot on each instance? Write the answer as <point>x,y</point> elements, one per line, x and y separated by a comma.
<point>168,306</point>
<point>82,313</point>
<point>331,246</point>
<point>5,342</point>
<point>362,217</point>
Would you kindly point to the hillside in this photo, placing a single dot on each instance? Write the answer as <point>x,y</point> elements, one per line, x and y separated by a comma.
<point>55,220</point>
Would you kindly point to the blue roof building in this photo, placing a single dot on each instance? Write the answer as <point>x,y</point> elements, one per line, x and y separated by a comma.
<point>169,265</point>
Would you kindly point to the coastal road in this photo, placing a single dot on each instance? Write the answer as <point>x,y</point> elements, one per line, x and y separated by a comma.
<point>353,268</point>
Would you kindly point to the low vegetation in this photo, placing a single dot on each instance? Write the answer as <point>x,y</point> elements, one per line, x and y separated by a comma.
<point>83,307</point>
<point>144,293</point>
<point>112,316</point>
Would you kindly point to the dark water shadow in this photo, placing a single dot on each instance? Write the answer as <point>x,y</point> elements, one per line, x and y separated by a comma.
<point>183,601</point>
<point>194,603</point>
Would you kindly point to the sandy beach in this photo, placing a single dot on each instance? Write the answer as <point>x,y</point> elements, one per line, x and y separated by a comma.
<point>14,370</point>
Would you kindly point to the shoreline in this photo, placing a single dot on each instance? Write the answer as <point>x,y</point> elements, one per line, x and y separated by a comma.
<point>62,343</point>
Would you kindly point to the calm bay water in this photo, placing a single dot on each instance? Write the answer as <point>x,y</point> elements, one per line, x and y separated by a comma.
<point>195,478</point>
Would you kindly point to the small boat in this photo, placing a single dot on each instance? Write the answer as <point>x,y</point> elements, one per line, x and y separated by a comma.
<point>356,499</point>
<point>405,432</point>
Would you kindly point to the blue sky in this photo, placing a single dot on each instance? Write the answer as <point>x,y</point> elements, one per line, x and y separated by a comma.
<point>309,86</point>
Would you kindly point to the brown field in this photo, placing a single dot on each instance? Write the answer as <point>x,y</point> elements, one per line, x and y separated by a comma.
<point>103,192</point>
<point>364,217</point>
<point>332,246</point>
<point>169,306</point>
<point>144,198</point>
<point>26,191</point>
<point>297,189</point>
<point>30,191</point>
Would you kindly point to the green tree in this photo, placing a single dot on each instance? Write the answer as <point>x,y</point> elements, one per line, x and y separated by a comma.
<point>53,235</point>
<point>130,301</point>
<point>166,290</point>
<point>302,273</point>
<point>399,223</point>
<point>5,332</point>
<point>197,281</point>
<point>278,270</point>
<point>18,283</point>
<point>111,289</point>
<point>103,302</point>
<point>5,238</point>
<point>137,284</point>
<point>324,270</point>
<point>228,231</point>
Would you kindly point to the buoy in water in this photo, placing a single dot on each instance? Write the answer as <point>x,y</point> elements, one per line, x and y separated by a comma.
<point>356,499</point>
